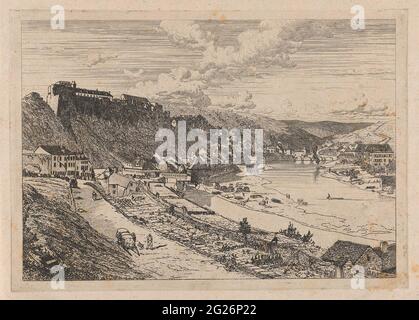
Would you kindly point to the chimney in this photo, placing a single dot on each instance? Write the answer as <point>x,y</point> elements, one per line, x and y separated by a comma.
<point>384,246</point>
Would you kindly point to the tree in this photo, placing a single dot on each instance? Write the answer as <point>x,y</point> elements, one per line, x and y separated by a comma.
<point>172,209</point>
<point>307,237</point>
<point>245,228</point>
<point>291,231</point>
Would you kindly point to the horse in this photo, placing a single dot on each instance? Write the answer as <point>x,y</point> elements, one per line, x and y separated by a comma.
<point>127,240</point>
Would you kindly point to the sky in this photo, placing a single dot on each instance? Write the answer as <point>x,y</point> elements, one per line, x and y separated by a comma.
<point>285,69</point>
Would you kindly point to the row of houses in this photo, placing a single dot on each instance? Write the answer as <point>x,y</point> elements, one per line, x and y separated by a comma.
<point>376,155</point>
<point>54,160</point>
<point>118,185</point>
<point>286,151</point>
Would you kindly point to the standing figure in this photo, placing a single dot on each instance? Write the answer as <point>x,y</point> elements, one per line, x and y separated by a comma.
<point>149,241</point>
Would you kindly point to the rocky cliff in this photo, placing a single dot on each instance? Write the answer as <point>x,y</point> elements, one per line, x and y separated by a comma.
<point>111,133</point>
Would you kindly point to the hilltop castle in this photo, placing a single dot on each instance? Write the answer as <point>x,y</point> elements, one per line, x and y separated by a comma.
<point>65,98</point>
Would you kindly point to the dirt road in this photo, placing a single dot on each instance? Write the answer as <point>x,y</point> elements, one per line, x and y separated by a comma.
<point>169,261</point>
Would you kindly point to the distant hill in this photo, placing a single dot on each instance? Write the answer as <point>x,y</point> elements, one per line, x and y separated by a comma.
<point>122,134</point>
<point>325,129</point>
<point>295,134</point>
<point>380,132</point>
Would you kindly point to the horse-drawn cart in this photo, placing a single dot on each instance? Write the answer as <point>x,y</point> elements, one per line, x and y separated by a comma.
<point>127,240</point>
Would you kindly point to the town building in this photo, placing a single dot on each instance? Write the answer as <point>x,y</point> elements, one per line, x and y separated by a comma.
<point>84,169</point>
<point>375,154</point>
<point>328,143</point>
<point>299,153</point>
<point>65,98</point>
<point>85,93</point>
<point>288,152</point>
<point>59,161</point>
<point>328,154</point>
<point>120,186</point>
<point>344,255</point>
<point>271,149</point>
<point>387,252</point>
<point>176,181</point>
<point>347,156</point>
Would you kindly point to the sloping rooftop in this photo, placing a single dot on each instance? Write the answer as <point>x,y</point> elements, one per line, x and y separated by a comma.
<point>56,150</point>
<point>162,190</point>
<point>343,251</point>
<point>119,179</point>
<point>385,147</point>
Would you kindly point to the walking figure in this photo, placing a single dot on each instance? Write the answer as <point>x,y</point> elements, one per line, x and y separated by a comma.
<point>274,239</point>
<point>149,241</point>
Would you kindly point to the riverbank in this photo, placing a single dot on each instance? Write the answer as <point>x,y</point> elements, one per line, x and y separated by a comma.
<point>360,183</point>
<point>330,220</point>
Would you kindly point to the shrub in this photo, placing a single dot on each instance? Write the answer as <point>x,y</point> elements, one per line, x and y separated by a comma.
<point>292,232</point>
<point>245,228</point>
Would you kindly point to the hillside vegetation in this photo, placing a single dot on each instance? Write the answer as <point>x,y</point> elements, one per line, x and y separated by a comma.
<point>40,125</point>
<point>53,233</point>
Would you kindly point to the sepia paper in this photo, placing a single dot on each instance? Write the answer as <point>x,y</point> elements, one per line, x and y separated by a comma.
<point>95,213</point>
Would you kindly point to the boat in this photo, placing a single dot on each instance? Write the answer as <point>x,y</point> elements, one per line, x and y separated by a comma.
<point>329,197</point>
<point>275,200</point>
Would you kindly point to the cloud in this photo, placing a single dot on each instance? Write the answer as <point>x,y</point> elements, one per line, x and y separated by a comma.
<point>241,101</point>
<point>271,44</point>
<point>263,46</point>
<point>196,99</point>
<point>282,109</point>
<point>363,108</point>
<point>174,88</point>
<point>134,74</point>
<point>96,58</point>
<point>186,34</point>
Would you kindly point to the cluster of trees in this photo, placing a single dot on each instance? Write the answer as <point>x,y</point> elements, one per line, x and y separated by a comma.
<point>245,228</point>
<point>292,232</point>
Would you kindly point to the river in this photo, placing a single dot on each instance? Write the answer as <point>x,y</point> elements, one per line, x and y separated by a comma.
<point>361,216</point>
